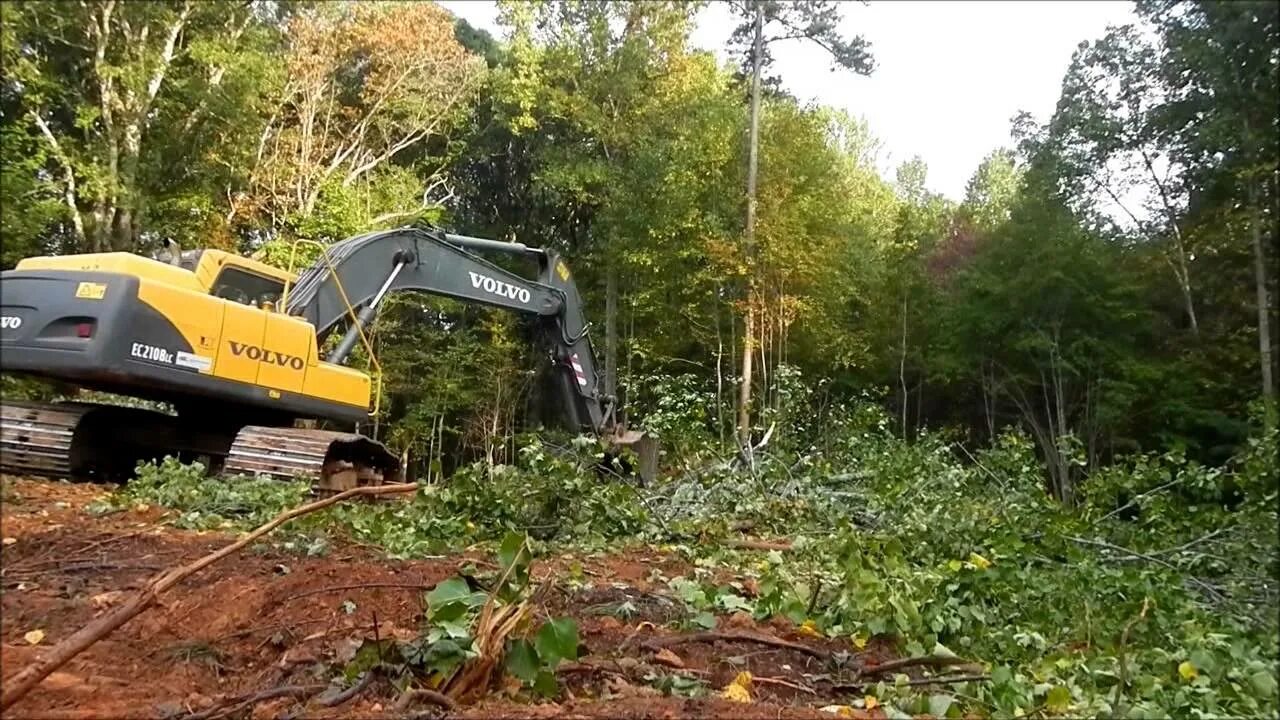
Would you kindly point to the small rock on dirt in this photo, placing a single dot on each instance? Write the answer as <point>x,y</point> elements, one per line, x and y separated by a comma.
<point>62,681</point>
<point>668,658</point>
<point>105,600</point>
<point>270,709</point>
<point>621,688</point>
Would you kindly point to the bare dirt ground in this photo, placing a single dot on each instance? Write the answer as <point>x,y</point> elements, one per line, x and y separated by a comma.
<point>263,619</point>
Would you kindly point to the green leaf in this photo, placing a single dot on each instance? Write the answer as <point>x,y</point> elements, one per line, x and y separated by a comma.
<point>558,640</point>
<point>545,684</point>
<point>704,620</point>
<point>451,590</point>
<point>938,705</point>
<point>522,660</point>
<point>444,655</point>
<point>456,629</point>
<point>1264,683</point>
<point>451,599</point>
<point>1203,661</point>
<point>1001,675</point>
<point>514,551</point>
<point>1058,699</point>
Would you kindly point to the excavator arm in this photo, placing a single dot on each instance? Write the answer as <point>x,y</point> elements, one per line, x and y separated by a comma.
<point>353,277</point>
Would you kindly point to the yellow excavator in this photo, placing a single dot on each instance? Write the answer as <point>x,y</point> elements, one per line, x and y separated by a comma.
<point>237,349</point>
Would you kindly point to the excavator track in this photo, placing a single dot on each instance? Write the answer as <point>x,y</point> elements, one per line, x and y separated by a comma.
<point>96,442</point>
<point>36,438</point>
<point>333,461</point>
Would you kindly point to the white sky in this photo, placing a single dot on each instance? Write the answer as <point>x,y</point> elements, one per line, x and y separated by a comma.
<point>949,76</point>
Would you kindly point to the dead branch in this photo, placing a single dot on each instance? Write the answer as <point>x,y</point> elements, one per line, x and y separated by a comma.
<point>1124,666</point>
<point>739,636</point>
<point>234,705</point>
<point>290,626</point>
<point>759,544</point>
<point>359,586</point>
<point>932,661</point>
<point>26,679</point>
<point>350,692</point>
<point>784,683</point>
<point>859,687</point>
<point>409,697</point>
<point>1134,553</point>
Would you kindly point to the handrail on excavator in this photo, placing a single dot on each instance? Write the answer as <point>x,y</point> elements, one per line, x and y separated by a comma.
<point>373,358</point>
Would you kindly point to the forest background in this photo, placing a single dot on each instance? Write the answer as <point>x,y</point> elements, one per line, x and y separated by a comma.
<point>1126,353</point>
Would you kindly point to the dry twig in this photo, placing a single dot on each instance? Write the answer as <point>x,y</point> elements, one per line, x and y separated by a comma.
<point>350,692</point>
<point>1124,667</point>
<point>780,545</point>
<point>26,679</point>
<point>234,705</point>
<point>1134,553</point>
<point>859,687</point>
<point>933,661</point>
<point>409,697</point>
<point>740,636</point>
<point>358,586</point>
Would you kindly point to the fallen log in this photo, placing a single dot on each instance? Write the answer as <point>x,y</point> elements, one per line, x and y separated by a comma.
<point>658,643</point>
<point>780,545</point>
<point>862,686</point>
<point>25,680</point>
<point>931,661</point>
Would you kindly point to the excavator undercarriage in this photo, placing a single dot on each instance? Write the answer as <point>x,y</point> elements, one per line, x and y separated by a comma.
<point>104,443</point>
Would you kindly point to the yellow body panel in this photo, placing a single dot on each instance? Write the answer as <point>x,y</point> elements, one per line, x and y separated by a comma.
<point>122,263</point>
<point>287,367</point>
<point>241,349</point>
<point>339,384</point>
<point>196,315</point>
<point>239,343</point>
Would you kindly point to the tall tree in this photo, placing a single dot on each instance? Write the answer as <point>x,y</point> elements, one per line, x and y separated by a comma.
<point>991,191</point>
<point>1107,127</point>
<point>765,22</point>
<point>95,78</point>
<point>1221,64</point>
<point>367,88</point>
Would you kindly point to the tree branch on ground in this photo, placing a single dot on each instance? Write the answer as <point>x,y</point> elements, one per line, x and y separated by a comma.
<point>25,680</point>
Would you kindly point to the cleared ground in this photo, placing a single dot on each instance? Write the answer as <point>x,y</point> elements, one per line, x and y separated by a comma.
<point>264,619</point>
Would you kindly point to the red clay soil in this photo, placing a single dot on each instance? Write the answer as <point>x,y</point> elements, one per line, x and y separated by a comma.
<point>263,618</point>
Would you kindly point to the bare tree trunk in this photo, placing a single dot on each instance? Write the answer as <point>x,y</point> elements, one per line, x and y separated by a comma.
<point>989,401</point>
<point>611,324</point>
<point>762,321</point>
<point>1264,303</point>
<point>1181,269</point>
<point>68,178</point>
<point>744,391</point>
<point>719,380</point>
<point>902,366</point>
<point>748,335</point>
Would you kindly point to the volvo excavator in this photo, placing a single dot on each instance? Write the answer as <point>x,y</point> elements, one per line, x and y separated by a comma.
<point>248,357</point>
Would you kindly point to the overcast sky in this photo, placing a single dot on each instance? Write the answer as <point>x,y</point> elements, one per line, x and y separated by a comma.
<point>949,77</point>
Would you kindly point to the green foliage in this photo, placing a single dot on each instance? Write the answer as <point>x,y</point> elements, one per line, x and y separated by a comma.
<point>455,616</point>
<point>909,540</point>
<point>208,502</point>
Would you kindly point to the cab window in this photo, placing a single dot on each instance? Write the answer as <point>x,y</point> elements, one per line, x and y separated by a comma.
<point>247,288</point>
